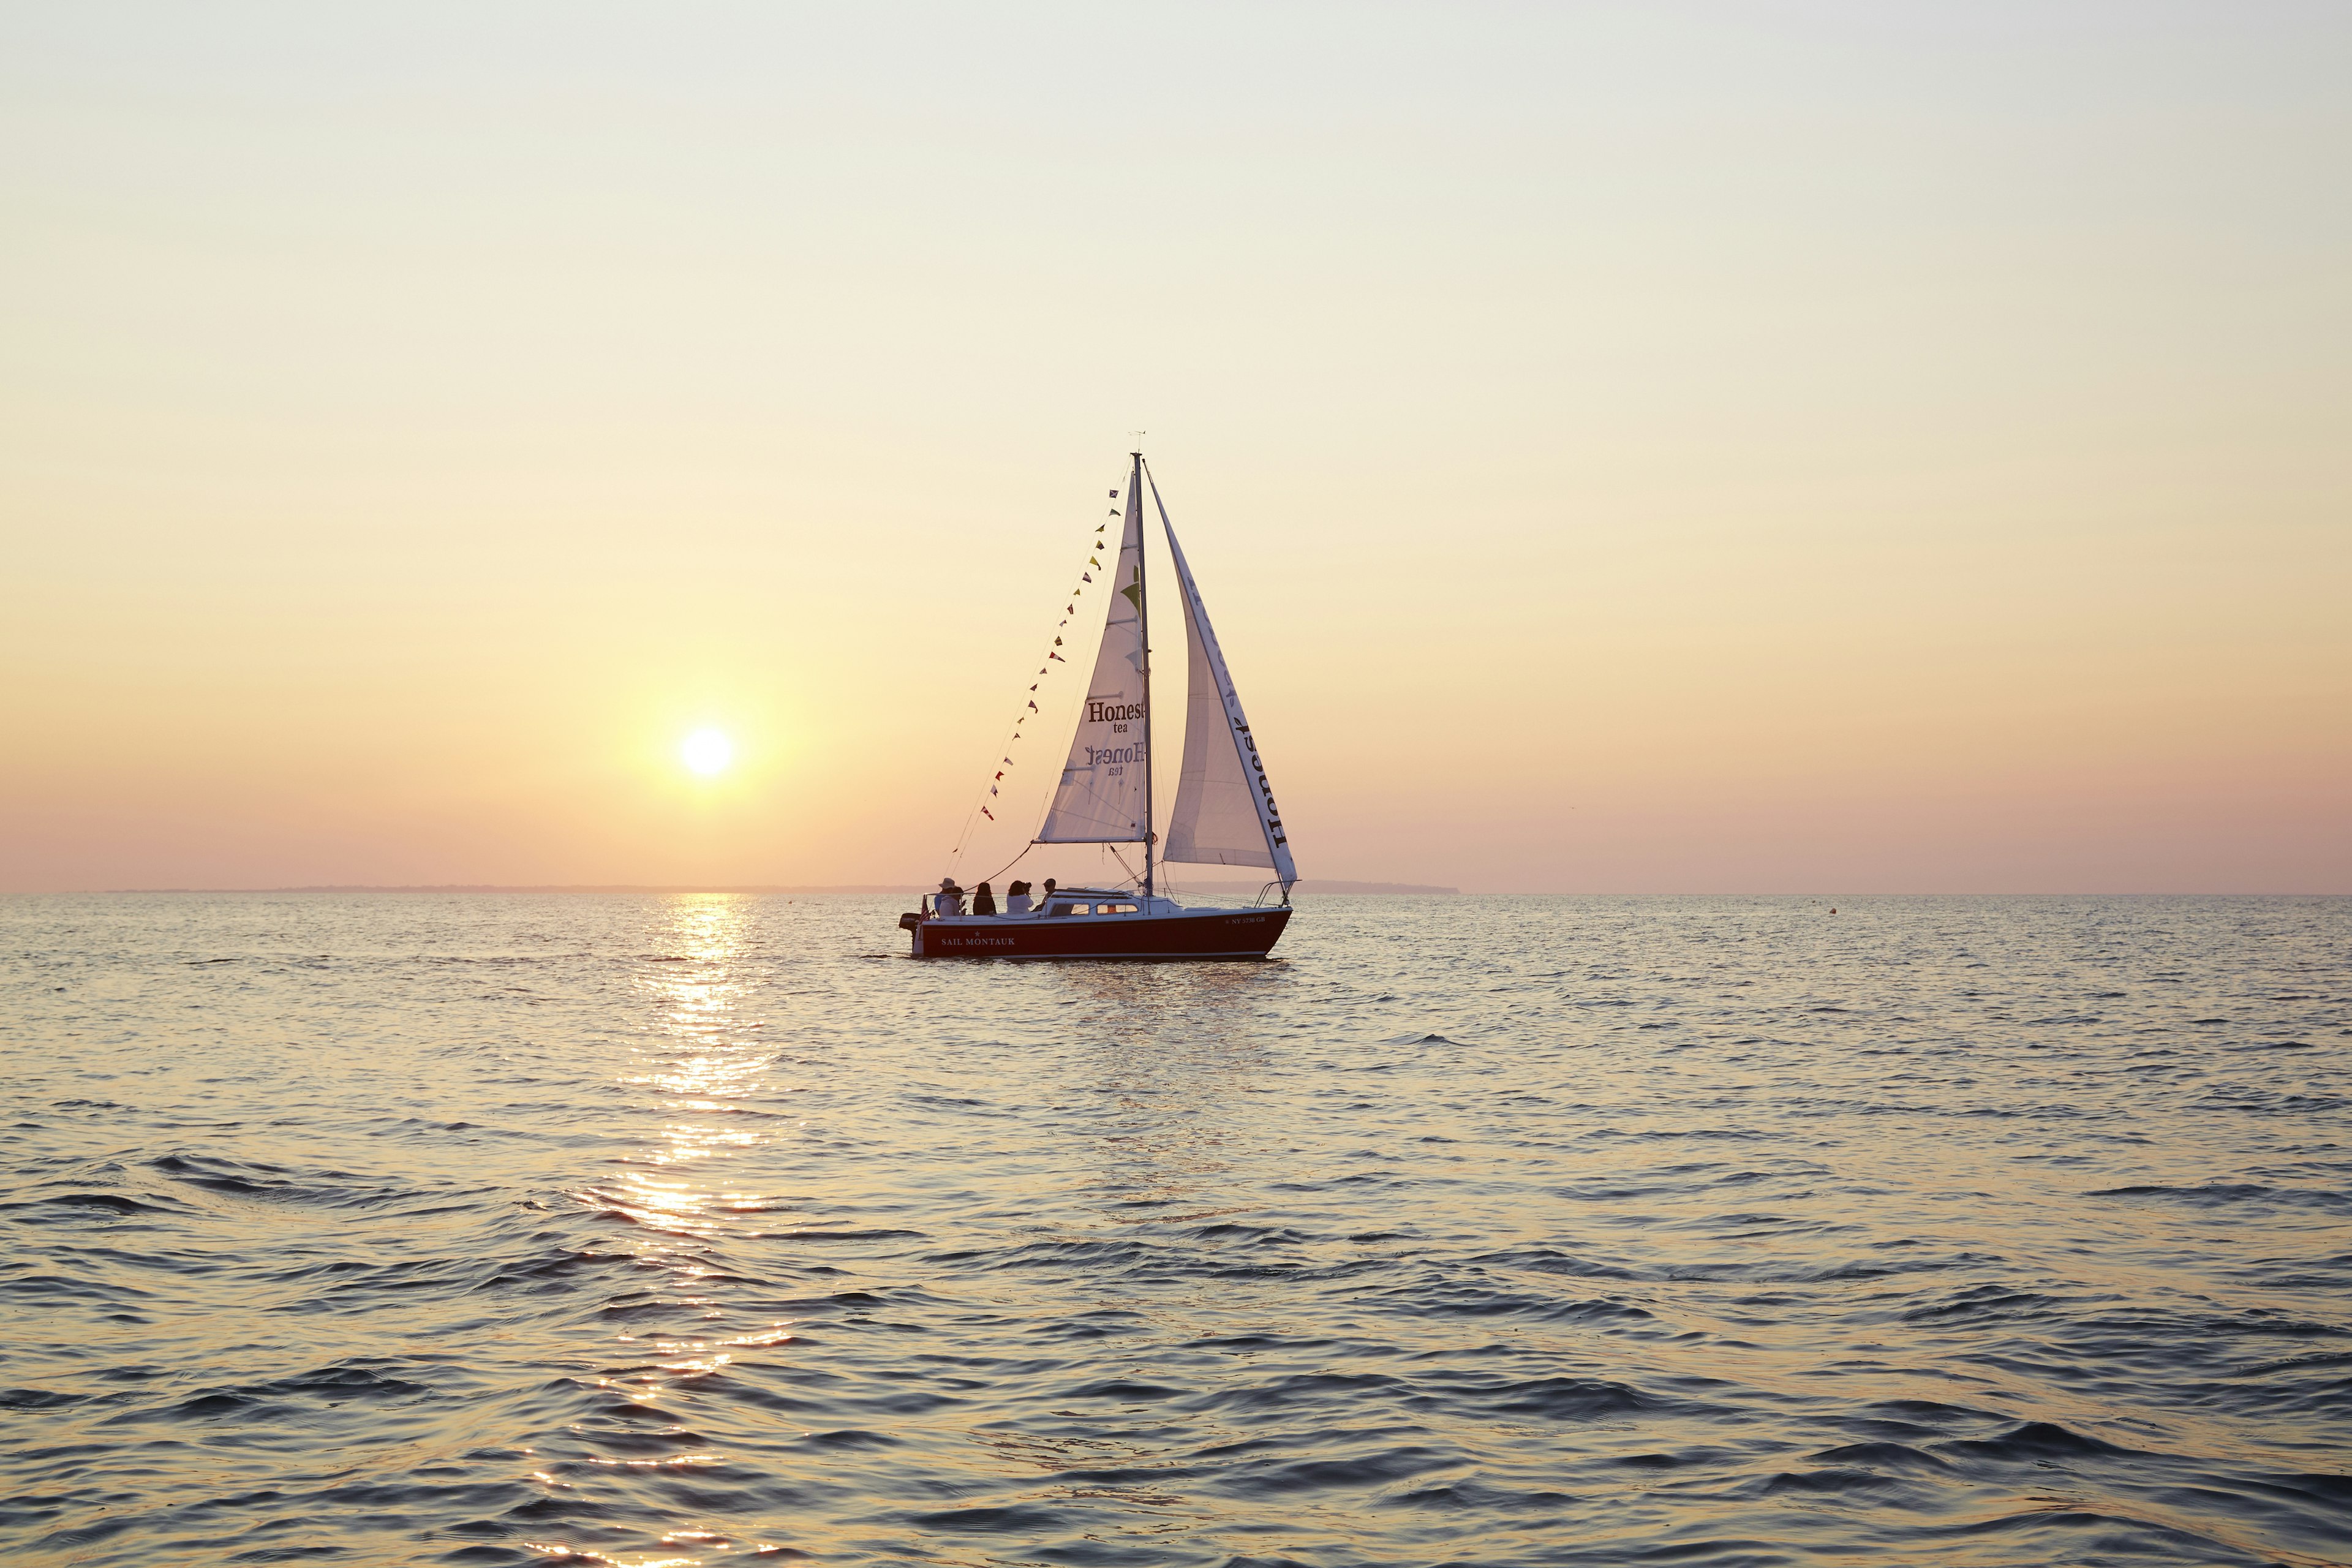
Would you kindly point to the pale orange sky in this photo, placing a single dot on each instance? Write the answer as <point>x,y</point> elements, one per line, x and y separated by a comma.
<point>1841,448</point>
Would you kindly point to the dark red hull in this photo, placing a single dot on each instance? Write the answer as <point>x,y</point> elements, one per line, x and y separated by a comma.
<point>1205,934</point>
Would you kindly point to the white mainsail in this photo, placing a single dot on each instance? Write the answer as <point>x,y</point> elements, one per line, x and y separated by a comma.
<point>1225,812</point>
<point>1104,796</point>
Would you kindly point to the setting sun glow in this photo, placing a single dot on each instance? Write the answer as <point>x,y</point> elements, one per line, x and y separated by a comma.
<point>707,752</point>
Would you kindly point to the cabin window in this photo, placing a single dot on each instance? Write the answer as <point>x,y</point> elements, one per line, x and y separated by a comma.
<point>1069,910</point>
<point>1116,910</point>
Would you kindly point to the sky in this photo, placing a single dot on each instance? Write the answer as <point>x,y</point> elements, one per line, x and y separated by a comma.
<point>1624,448</point>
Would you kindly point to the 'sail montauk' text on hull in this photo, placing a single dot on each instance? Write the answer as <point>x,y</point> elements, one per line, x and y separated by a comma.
<point>1224,813</point>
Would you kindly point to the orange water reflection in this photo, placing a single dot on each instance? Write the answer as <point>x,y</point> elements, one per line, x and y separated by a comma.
<point>700,1068</point>
<point>701,1071</point>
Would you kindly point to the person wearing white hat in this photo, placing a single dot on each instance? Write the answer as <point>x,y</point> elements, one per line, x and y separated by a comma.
<point>949,899</point>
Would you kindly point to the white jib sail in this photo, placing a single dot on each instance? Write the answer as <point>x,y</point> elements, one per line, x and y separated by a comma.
<point>1101,796</point>
<point>1225,812</point>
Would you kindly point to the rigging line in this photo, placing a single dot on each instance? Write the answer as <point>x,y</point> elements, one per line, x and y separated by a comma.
<point>1123,865</point>
<point>1010,864</point>
<point>964,838</point>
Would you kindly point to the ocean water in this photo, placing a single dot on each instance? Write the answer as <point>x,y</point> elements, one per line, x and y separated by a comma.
<point>504,1229</point>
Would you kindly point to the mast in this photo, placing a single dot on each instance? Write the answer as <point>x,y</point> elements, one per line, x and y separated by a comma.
<point>1143,614</point>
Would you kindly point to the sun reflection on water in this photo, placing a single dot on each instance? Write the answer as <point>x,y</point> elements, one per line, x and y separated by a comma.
<point>699,1069</point>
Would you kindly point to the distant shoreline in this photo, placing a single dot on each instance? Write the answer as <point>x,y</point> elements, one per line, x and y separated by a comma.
<point>1309,886</point>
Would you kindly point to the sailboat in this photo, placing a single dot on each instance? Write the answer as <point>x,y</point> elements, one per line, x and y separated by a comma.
<point>1224,813</point>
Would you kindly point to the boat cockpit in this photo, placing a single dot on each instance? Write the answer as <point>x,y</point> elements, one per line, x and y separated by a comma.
<point>1067,903</point>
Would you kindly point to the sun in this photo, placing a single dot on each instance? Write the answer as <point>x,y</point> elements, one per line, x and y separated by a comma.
<point>708,751</point>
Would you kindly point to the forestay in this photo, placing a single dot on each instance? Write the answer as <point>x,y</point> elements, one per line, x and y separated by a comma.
<point>1103,797</point>
<point>1226,814</point>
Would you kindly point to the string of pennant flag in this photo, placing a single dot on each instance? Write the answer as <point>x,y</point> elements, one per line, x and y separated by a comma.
<point>1010,758</point>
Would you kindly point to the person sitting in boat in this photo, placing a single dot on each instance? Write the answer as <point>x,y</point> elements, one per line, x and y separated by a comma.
<point>984,903</point>
<point>1017,898</point>
<point>949,899</point>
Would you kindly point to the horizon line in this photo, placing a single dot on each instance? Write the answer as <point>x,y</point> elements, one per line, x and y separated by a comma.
<point>1326,886</point>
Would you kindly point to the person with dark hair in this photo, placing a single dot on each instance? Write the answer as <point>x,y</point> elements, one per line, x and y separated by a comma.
<point>1017,898</point>
<point>984,903</point>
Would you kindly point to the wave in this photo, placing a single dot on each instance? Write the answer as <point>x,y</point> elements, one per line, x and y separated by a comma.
<point>494,1237</point>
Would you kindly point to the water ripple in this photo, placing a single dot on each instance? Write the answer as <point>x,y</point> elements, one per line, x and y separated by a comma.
<point>504,1230</point>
